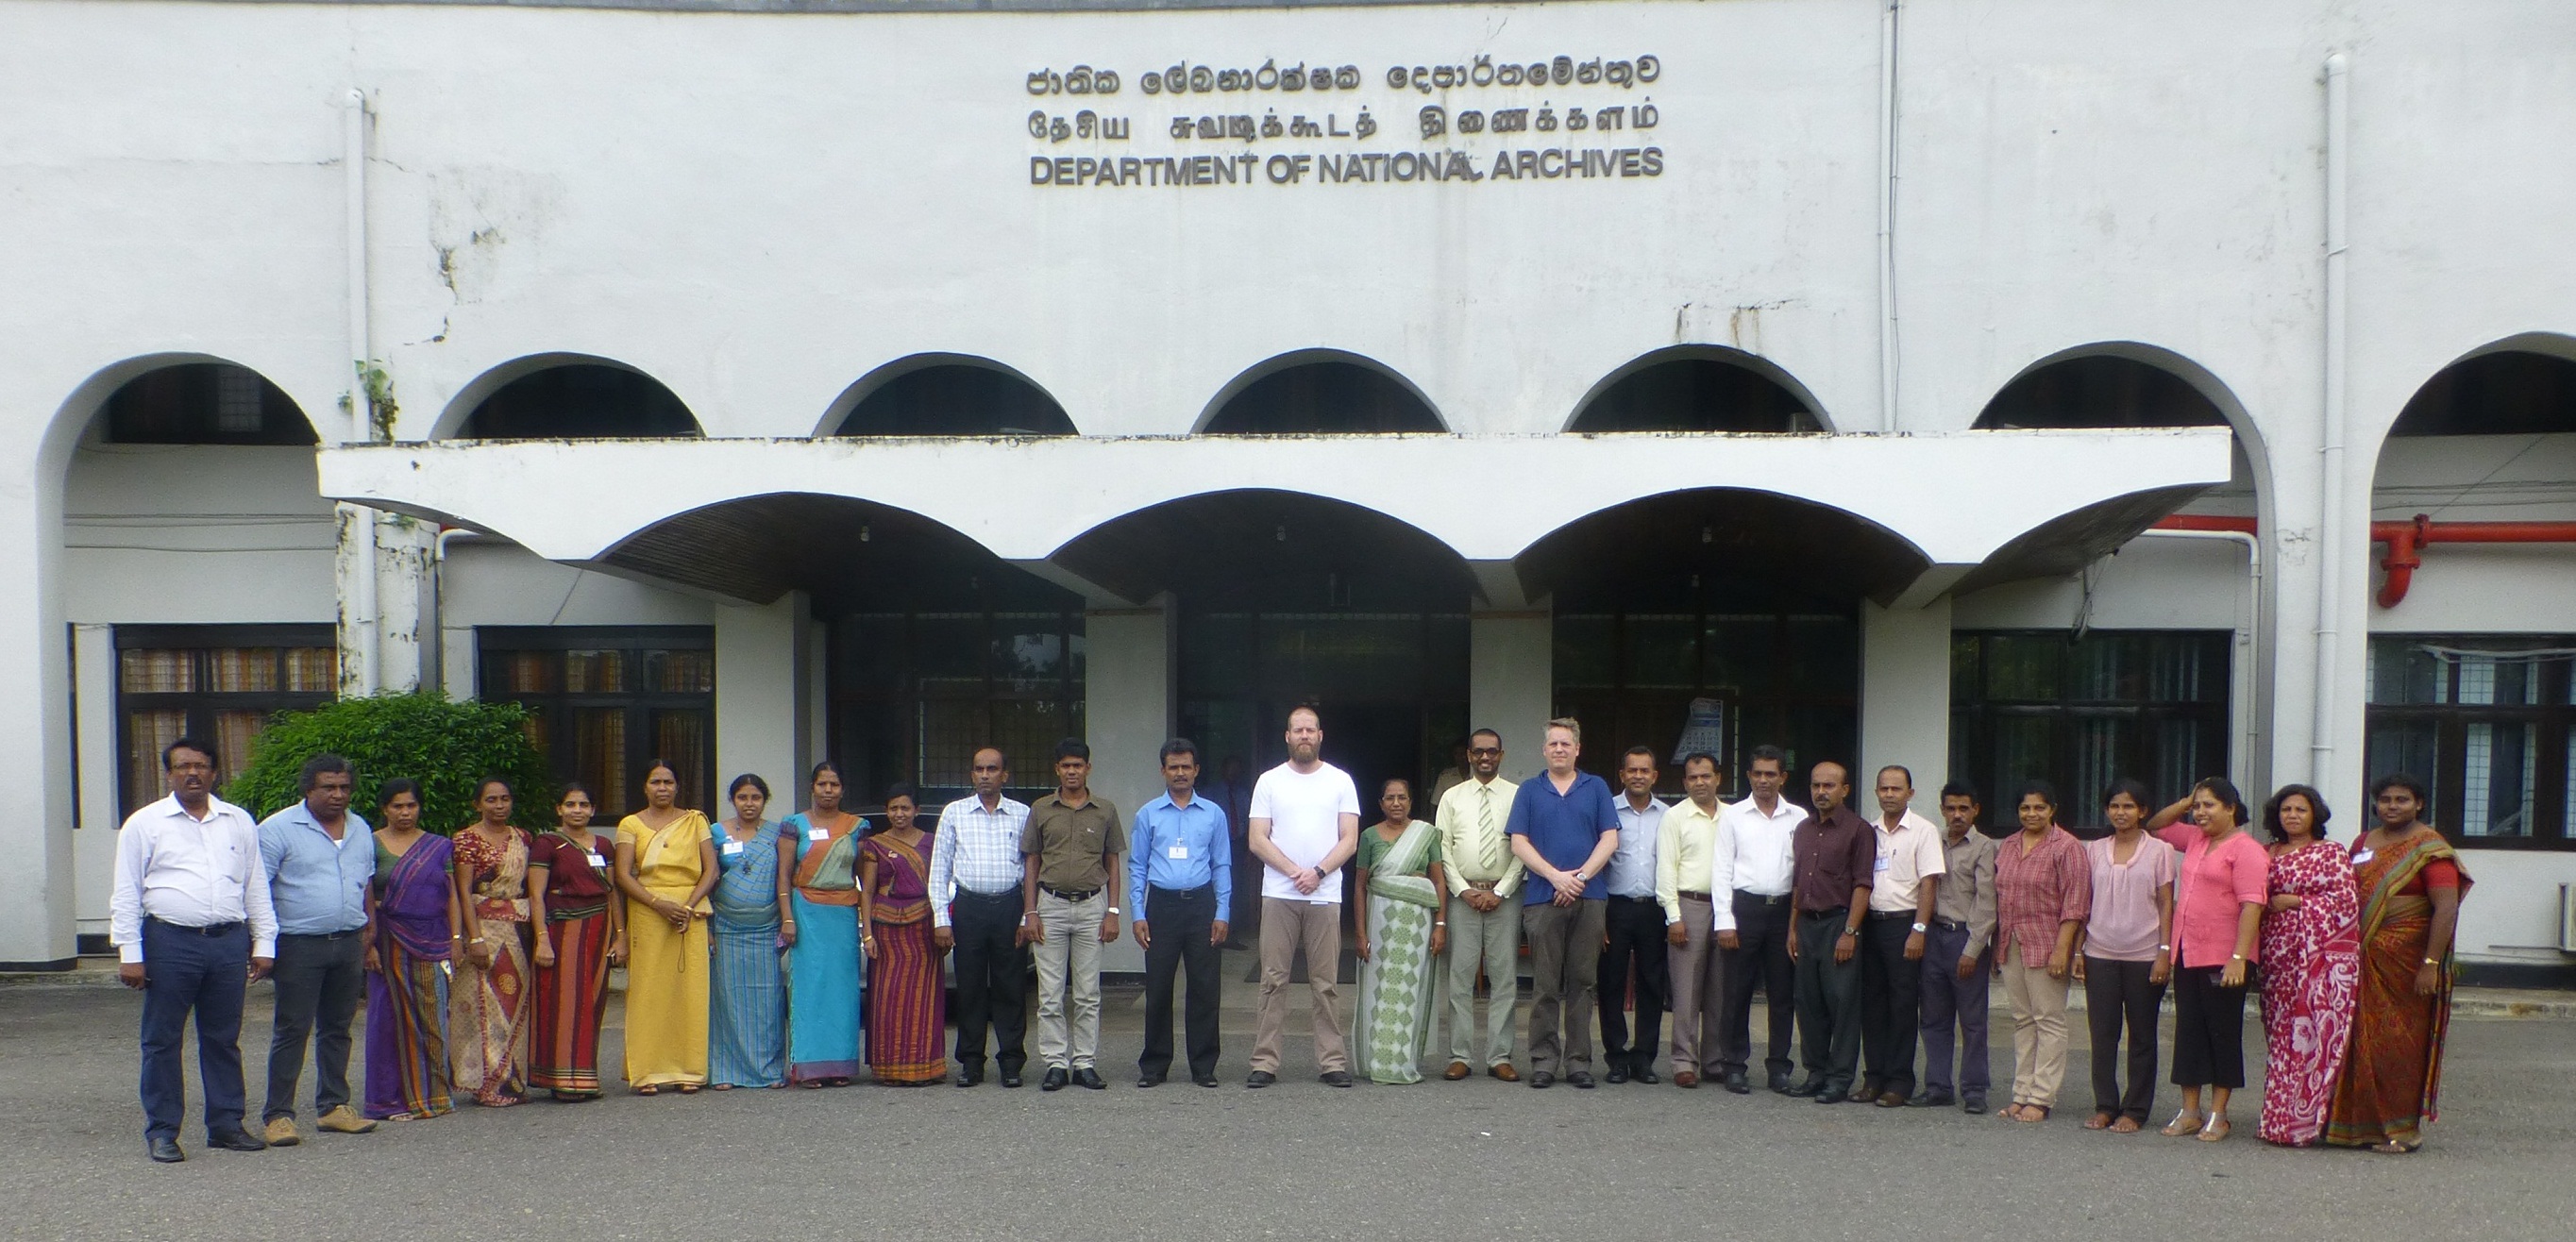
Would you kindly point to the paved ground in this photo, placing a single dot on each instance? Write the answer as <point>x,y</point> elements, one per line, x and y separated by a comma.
<point>1300,1160</point>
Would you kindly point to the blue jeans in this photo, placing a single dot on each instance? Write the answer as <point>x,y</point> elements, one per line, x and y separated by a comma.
<point>184,971</point>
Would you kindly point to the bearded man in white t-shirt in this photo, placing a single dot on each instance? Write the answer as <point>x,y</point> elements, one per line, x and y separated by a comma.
<point>1304,824</point>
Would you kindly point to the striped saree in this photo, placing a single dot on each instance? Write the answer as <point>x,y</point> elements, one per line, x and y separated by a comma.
<point>747,1015</point>
<point>906,1007</point>
<point>407,992</point>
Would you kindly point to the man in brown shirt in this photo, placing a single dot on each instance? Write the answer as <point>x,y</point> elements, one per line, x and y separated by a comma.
<point>1833,857</point>
<point>1069,880</point>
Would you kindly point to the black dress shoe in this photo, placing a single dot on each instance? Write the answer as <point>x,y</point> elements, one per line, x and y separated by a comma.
<point>1055,1080</point>
<point>1646,1076</point>
<point>1337,1078</point>
<point>1780,1081</point>
<point>1830,1097</point>
<point>1929,1098</point>
<point>1089,1079</point>
<point>1737,1083</point>
<point>1973,1105</point>
<point>1580,1078</point>
<point>968,1078</point>
<point>1542,1079</point>
<point>1805,1089</point>
<point>1011,1079</point>
<point>1149,1080</point>
<point>1615,1076</point>
<point>1260,1079</point>
<point>1204,1080</point>
<point>236,1140</point>
<point>164,1151</point>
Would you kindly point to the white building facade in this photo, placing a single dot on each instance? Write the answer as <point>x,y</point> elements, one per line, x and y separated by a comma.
<point>2008,390</point>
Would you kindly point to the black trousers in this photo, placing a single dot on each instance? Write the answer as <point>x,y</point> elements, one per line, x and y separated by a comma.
<point>1760,959</point>
<point>1179,920</point>
<point>2209,1028</point>
<point>319,980</point>
<point>1636,938</point>
<point>1891,1002</point>
<point>992,980</point>
<point>2114,993</point>
<point>187,970</point>
<point>1828,1001</point>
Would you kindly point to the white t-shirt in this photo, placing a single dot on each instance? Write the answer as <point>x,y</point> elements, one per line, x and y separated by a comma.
<point>1304,810</point>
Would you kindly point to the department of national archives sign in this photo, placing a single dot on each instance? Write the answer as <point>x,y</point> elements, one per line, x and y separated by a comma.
<point>1482,122</point>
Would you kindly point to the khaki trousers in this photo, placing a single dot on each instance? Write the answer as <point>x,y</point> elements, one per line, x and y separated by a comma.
<point>1490,943</point>
<point>1698,991</point>
<point>2039,1031</point>
<point>1287,926</point>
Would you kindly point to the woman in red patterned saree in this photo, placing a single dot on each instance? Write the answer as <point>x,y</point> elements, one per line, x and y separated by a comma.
<point>2411,884</point>
<point>2311,967</point>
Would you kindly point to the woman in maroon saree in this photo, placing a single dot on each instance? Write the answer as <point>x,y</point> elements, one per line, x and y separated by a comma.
<point>2311,967</point>
<point>415,921</point>
<point>905,1009</point>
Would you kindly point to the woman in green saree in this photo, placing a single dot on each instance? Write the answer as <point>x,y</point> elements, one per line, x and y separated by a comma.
<point>1401,933</point>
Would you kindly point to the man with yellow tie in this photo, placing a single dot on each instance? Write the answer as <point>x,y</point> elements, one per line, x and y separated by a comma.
<point>1484,907</point>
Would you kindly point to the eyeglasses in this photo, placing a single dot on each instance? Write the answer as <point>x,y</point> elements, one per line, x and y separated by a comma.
<point>1484,750</point>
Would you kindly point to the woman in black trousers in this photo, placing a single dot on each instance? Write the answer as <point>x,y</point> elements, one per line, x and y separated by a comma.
<point>2126,954</point>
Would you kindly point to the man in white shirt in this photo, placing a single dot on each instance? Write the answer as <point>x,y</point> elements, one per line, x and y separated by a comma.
<point>191,921</point>
<point>1904,891</point>
<point>1749,874</point>
<point>977,908</point>
<point>1305,823</point>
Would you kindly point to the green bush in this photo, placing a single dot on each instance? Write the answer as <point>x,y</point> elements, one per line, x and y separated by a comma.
<point>446,745</point>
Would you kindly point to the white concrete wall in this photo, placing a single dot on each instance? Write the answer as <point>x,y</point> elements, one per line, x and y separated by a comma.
<point>762,671</point>
<point>1129,680</point>
<point>1511,686</point>
<point>195,535</point>
<point>1904,702</point>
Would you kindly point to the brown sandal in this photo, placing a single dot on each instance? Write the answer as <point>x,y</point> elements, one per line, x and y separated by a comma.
<point>648,1089</point>
<point>688,1088</point>
<point>2033,1113</point>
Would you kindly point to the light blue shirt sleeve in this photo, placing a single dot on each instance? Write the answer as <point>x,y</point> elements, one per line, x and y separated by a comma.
<point>1140,856</point>
<point>1221,857</point>
<point>272,846</point>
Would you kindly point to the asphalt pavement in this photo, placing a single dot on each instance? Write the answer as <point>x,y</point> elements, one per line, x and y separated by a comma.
<point>1299,1160</point>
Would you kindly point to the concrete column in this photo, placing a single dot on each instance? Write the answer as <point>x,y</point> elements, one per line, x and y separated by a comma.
<point>95,822</point>
<point>1511,681</point>
<point>406,605</point>
<point>761,662</point>
<point>37,892</point>
<point>1128,709</point>
<point>1904,701</point>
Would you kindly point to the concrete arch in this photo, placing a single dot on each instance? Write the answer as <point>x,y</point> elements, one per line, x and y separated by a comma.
<point>868,385</point>
<point>1306,357</point>
<point>759,547</point>
<point>1168,544</point>
<point>451,420</point>
<point>1727,354</point>
<point>2557,346</point>
<point>81,407</point>
<point>1761,532</point>
<point>2220,395</point>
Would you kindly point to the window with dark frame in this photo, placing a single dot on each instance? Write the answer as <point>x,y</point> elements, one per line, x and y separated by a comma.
<point>219,683</point>
<point>915,694</point>
<point>2080,713</point>
<point>606,701</point>
<point>1785,677</point>
<point>2484,720</point>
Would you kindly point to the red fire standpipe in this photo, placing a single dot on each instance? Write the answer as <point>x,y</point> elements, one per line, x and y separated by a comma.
<point>2405,541</point>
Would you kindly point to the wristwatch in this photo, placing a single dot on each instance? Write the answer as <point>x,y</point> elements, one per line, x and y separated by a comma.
<point>1921,928</point>
<point>1113,909</point>
<point>1850,930</point>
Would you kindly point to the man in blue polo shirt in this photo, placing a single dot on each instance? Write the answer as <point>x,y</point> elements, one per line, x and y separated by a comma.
<point>320,857</point>
<point>1180,866</point>
<point>1564,828</point>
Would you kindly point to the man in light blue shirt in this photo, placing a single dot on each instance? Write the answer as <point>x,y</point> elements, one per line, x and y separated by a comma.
<point>1180,866</point>
<point>1634,923</point>
<point>320,859</point>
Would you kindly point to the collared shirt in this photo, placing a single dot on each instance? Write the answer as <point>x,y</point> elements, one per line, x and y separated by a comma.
<point>1180,848</point>
<point>975,849</point>
<point>1563,827</point>
<point>1305,811</point>
<point>1835,854</point>
<point>1631,870</point>
<point>1473,846</point>
<point>2036,890</point>
<point>1073,844</point>
<point>1967,893</point>
<point>1682,845</point>
<point>317,885</point>
<point>2214,886</point>
<point>1752,854</point>
<point>1905,855</point>
<point>189,872</point>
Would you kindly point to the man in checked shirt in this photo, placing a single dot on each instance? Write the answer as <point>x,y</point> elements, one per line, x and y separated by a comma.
<point>976,909</point>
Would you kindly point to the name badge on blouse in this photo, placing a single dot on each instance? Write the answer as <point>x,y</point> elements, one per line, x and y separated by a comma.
<point>818,834</point>
<point>1177,851</point>
<point>732,847</point>
<point>2363,857</point>
<point>1882,863</point>
<point>595,859</point>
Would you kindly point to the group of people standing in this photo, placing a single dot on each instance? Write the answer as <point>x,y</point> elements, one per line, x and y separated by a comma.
<point>762,953</point>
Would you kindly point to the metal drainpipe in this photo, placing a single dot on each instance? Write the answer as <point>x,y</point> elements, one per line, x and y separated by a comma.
<point>1887,354</point>
<point>366,618</point>
<point>2321,739</point>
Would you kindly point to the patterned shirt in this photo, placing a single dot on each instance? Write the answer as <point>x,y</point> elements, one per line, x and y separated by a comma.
<point>2038,889</point>
<point>975,849</point>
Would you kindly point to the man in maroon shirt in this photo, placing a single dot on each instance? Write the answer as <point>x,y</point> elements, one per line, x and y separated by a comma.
<point>1834,855</point>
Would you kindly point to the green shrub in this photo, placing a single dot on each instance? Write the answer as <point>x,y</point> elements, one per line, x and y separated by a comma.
<point>447,746</point>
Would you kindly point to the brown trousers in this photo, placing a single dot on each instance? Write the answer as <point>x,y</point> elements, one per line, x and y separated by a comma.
<point>1287,926</point>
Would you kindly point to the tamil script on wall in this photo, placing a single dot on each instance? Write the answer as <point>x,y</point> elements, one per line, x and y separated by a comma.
<point>1311,124</point>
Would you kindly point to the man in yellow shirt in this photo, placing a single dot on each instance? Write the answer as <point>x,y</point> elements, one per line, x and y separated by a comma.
<point>1682,855</point>
<point>1484,907</point>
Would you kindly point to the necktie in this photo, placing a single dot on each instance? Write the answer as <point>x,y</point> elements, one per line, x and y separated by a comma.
<point>1489,843</point>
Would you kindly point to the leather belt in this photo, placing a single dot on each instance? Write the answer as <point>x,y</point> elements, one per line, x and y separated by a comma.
<point>1076,894</point>
<point>1762,899</point>
<point>1485,886</point>
<point>211,929</point>
<point>1693,894</point>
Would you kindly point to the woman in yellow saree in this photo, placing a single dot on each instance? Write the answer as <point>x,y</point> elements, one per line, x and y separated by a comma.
<point>666,863</point>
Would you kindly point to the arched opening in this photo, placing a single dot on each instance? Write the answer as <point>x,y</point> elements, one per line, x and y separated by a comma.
<point>2468,686</point>
<point>579,398</point>
<point>938,395</point>
<point>934,646</point>
<point>1321,394</point>
<point>1715,604</point>
<point>2098,391</point>
<point>1695,391</point>
<point>202,403</point>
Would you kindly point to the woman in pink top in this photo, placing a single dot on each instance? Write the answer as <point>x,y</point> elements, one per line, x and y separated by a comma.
<point>2124,956</point>
<point>2218,910</point>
